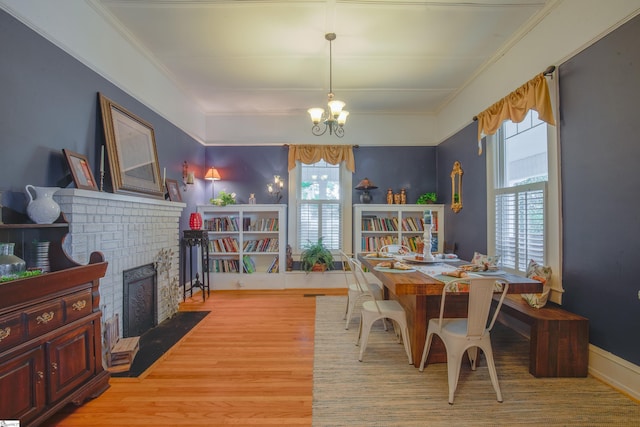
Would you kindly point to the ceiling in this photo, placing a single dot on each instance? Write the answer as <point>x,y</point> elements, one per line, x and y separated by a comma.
<point>270,57</point>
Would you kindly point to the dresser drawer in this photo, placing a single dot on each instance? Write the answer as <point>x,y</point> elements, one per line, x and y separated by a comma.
<point>77,305</point>
<point>44,317</point>
<point>11,331</point>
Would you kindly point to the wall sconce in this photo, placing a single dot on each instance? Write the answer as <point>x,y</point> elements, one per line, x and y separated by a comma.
<point>212,175</point>
<point>275,188</point>
<point>365,185</point>
<point>188,178</point>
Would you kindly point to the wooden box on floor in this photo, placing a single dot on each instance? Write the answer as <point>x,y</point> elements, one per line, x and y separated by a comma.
<point>121,351</point>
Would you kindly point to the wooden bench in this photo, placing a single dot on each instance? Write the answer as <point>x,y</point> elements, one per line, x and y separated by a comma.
<point>559,340</point>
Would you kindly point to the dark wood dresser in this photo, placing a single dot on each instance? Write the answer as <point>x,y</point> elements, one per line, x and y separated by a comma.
<point>50,331</point>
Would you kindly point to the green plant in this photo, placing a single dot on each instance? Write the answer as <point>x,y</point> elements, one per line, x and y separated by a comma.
<point>224,199</point>
<point>427,198</point>
<point>316,253</point>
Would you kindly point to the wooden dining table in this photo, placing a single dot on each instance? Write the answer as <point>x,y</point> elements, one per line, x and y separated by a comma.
<point>419,294</point>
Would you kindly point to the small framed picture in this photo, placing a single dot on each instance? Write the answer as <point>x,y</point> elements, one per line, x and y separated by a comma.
<point>80,170</point>
<point>173,189</point>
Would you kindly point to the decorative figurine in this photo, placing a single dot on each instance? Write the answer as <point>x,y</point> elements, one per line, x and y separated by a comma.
<point>289,259</point>
<point>389,196</point>
<point>403,197</point>
<point>252,199</point>
<point>396,198</point>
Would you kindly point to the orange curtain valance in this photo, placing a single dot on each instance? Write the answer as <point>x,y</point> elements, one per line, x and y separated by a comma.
<point>332,154</point>
<point>533,95</point>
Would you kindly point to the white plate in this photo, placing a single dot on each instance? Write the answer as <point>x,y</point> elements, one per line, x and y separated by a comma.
<point>392,270</point>
<point>420,261</point>
<point>373,258</point>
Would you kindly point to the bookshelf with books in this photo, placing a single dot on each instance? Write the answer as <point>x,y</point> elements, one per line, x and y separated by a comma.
<point>247,244</point>
<point>377,225</point>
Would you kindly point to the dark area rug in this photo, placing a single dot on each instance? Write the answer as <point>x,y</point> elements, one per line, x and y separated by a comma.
<point>156,341</point>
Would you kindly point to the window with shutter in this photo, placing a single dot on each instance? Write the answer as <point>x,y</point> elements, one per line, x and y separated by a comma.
<point>320,205</point>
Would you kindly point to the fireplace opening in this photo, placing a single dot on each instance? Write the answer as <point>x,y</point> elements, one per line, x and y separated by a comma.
<point>140,300</point>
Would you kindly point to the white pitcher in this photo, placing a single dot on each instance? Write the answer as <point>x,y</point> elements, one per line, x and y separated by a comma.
<point>42,209</point>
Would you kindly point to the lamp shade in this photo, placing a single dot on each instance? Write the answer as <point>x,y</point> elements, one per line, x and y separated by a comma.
<point>365,184</point>
<point>212,175</point>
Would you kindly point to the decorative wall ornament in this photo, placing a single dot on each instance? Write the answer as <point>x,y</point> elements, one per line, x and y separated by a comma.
<point>169,285</point>
<point>456,187</point>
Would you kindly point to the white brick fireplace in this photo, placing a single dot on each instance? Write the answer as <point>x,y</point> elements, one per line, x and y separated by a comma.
<point>130,231</point>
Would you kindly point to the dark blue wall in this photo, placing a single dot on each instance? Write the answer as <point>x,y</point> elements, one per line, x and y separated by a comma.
<point>600,149</point>
<point>49,102</point>
<point>600,152</point>
<point>246,170</point>
<point>467,228</point>
<point>411,168</point>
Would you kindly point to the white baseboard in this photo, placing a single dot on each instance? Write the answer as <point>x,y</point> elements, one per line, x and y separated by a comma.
<point>615,371</point>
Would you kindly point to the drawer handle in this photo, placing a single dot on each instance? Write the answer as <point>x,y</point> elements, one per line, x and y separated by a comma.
<point>54,366</point>
<point>40,375</point>
<point>4,333</point>
<point>79,305</point>
<point>45,317</point>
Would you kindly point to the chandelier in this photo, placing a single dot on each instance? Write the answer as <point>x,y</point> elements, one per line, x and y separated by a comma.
<point>336,117</point>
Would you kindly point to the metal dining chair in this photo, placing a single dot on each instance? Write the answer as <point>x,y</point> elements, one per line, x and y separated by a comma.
<point>461,335</point>
<point>379,309</point>
<point>359,289</point>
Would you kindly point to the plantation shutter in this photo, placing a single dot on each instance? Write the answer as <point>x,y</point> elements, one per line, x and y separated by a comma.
<point>520,228</point>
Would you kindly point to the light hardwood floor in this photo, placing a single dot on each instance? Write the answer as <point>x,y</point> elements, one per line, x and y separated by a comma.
<point>249,362</point>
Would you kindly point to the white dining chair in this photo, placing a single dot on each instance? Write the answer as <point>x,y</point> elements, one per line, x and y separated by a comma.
<point>461,335</point>
<point>379,309</point>
<point>359,288</point>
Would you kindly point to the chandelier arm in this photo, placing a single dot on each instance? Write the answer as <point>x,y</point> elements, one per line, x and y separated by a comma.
<point>317,129</point>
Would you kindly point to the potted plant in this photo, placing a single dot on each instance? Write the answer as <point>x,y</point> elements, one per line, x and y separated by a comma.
<point>316,257</point>
<point>224,199</point>
<point>427,198</point>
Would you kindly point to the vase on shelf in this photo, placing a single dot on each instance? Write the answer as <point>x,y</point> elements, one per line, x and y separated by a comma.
<point>195,221</point>
<point>10,263</point>
<point>42,209</point>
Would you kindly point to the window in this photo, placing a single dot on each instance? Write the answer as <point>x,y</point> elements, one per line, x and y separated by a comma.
<point>521,176</point>
<point>321,207</point>
<point>524,196</point>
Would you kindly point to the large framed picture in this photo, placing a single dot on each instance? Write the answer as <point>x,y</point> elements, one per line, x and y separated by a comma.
<point>173,189</point>
<point>131,149</point>
<point>80,170</point>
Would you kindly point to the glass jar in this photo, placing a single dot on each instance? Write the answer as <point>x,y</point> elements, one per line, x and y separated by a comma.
<point>9,263</point>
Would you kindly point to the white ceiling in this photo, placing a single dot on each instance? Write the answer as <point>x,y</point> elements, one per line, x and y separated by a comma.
<point>270,57</point>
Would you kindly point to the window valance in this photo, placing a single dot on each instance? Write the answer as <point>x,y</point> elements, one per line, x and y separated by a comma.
<point>332,154</point>
<point>533,95</point>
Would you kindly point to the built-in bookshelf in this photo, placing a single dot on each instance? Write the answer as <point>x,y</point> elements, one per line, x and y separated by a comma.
<point>378,225</point>
<point>247,244</point>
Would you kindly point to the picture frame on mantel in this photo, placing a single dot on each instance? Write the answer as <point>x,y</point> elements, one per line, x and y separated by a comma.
<point>80,170</point>
<point>131,151</point>
<point>173,189</point>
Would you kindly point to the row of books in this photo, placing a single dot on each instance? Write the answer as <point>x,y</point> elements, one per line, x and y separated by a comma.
<point>225,244</point>
<point>412,243</point>
<point>233,265</point>
<point>370,244</point>
<point>248,265</point>
<point>262,245</point>
<point>217,265</point>
<point>261,224</point>
<point>225,223</point>
<point>275,265</point>
<point>374,223</point>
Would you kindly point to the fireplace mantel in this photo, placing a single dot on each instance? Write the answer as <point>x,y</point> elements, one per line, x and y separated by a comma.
<point>129,230</point>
